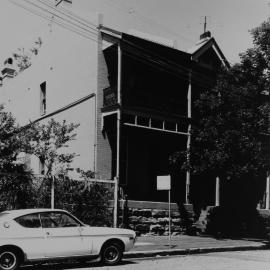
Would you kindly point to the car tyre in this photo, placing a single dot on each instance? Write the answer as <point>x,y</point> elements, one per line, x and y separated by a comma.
<point>111,254</point>
<point>9,260</point>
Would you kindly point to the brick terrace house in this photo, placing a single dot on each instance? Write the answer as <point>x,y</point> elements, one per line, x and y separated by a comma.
<point>144,113</point>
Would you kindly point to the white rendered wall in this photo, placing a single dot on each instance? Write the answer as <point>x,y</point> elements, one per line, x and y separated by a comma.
<point>68,64</point>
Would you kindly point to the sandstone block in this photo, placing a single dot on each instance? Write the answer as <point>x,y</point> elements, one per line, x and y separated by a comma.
<point>158,213</point>
<point>143,228</point>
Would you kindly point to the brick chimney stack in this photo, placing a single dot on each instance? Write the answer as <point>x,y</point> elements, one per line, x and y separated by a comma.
<point>206,34</point>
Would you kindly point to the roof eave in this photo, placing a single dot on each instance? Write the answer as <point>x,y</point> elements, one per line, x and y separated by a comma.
<point>211,43</point>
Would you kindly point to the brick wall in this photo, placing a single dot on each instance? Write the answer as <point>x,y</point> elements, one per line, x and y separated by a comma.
<point>103,149</point>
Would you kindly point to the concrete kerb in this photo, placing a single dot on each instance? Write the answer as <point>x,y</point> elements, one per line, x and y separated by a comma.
<point>189,251</point>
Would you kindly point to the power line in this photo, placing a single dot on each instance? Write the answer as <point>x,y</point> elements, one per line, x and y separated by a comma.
<point>58,16</point>
<point>174,67</point>
<point>144,59</point>
<point>78,19</point>
<point>71,15</point>
<point>177,65</point>
<point>47,18</point>
<point>66,11</point>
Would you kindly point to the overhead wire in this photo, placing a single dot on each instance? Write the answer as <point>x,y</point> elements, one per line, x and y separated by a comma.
<point>145,57</point>
<point>85,29</point>
<point>152,63</point>
<point>94,27</point>
<point>70,15</point>
<point>58,16</point>
<point>176,64</point>
<point>66,11</point>
<point>47,18</point>
<point>62,17</point>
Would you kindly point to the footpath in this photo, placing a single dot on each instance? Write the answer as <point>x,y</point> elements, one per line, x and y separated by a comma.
<point>155,246</point>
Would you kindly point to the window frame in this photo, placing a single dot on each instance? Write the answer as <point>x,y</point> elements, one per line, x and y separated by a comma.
<point>80,224</point>
<point>19,217</point>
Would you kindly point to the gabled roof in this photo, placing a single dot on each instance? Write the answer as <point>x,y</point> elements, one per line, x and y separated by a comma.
<point>191,55</point>
<point>145,48</point>
<point>205,44</point>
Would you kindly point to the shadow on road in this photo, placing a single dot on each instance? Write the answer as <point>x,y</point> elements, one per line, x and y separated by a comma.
<point>69,265</point>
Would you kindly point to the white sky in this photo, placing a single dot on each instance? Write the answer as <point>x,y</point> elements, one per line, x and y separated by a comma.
<point>228,20</point>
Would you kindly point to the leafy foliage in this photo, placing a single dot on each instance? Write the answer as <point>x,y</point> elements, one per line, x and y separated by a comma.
<point>88,200</point>
<point>229,139</point>
<point>16,188</point>
<point>230,134</point>
<point>23,57</point>
<point>48,143</point>
<point>15,180</point>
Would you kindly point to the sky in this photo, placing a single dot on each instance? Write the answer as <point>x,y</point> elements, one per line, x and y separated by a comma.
<point>228,20</point>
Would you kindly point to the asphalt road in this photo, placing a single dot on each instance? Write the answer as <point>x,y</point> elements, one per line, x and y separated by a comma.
<point>238,260</point>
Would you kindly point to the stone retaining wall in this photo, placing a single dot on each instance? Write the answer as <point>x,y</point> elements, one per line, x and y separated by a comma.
<point>153,218</point>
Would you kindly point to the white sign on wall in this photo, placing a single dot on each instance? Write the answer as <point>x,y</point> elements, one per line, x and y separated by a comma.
<point>164,182</point>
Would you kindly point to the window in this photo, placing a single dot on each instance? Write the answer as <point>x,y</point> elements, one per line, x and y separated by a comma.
<point>43,98</point>
<point>29,221</point>
<point>58,220</point>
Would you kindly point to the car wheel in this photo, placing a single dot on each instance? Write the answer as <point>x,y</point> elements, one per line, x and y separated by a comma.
<point>111,254</point>
<point>9,260</point>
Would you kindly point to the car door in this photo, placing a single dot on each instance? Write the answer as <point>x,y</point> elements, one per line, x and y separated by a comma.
<point>63,235</point>
<point>30,236</point>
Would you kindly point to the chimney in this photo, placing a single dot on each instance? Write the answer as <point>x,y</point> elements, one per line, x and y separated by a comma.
<point>206,34</point>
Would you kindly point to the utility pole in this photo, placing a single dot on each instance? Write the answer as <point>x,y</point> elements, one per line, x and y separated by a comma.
<point>52,193</point>
<point>119,80</point>
<point>189,104</point>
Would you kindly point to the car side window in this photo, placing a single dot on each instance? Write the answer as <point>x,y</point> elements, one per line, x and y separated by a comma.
<point>57,220</point>
<point>29,221</point>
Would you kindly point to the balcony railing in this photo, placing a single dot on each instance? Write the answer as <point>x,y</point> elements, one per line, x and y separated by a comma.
<point>143,99</point>
<point>109,96</point>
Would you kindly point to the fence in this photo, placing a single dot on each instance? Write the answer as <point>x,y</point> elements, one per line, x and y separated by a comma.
<point>94,201</point>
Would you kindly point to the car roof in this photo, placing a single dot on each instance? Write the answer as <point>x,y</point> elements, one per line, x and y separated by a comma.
<point>22,212</point>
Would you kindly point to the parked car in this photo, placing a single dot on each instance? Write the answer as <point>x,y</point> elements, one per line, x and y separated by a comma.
<point>34,235</point>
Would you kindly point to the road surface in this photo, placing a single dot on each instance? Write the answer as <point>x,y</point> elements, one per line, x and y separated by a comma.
<point>237,260</point>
